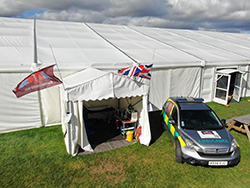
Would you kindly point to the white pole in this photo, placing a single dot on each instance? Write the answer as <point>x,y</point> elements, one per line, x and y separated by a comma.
<point>36,63</point>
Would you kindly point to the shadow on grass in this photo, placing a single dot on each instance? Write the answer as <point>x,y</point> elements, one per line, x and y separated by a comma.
<point>155,125</point>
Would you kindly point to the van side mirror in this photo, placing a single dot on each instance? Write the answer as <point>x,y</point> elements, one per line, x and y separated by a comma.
<point>171,121</point>
<point>223,122</point>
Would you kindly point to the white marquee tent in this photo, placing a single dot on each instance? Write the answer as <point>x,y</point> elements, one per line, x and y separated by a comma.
<point>94,88</point>
<point>211,65</point>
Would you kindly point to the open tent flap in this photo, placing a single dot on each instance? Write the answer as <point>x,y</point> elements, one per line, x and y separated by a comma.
<point>104,89</point>
<point>144,123</point>
<point>73,126</point>
<point>74,129</point>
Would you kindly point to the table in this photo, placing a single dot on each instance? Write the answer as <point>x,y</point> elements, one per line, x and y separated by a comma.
<point>241,124</point>
<point>127,124</point>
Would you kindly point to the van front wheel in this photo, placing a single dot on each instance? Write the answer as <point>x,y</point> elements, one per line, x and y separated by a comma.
<point>178,154</point>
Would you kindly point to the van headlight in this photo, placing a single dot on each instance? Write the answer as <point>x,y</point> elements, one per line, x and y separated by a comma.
<point>191,145</point>
<point>234,145</point>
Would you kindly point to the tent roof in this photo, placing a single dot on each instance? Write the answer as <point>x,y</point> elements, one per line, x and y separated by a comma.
<point>93,84</point>
<point>16,44</point>
<point>75,45</point>
<point>173,47</point>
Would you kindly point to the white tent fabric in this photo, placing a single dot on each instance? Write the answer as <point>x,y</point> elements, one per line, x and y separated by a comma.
<point>103,85</point>
<point>16,59</point>
<point>74,131</point>
<point>92,84</point>
<point>16,44</point>
<point>184,62</point>
<point>144,49</point>
<point>199,44</point>
<point>17,114</point>
<point>76,44</point>
<point>174,52</point>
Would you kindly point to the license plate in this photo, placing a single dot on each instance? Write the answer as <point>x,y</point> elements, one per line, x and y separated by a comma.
<point>217,163</point>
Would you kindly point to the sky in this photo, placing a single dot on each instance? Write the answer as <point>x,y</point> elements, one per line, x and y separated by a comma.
<point>214,15</point>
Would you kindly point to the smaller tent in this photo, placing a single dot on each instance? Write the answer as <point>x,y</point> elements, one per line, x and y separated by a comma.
<point>92,88</point>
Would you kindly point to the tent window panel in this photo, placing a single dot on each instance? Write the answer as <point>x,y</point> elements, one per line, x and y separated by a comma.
<point>221,94</point>
<point>236,91</point>
<point>238,80</point>
<point>222,82</point>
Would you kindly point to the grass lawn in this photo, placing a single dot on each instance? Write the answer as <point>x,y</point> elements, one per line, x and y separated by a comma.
<point>38,158</point>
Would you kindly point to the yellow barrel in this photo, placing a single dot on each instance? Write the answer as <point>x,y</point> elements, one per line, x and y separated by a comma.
<point>129,136</point>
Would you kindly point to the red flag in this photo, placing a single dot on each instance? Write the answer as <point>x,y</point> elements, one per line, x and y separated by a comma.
<point>38,80</point>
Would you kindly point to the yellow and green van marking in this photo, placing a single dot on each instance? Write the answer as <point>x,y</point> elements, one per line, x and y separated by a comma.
<point>172,129</point>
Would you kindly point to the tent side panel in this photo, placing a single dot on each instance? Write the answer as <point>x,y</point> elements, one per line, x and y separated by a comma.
<point>17,113</point>
<point>246,81</point>
<point>248,85</point>
<point>50,99</point>
<point>185,82</point>
<point>159,87</point>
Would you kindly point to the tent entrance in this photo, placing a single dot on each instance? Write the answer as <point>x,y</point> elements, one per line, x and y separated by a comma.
<point>228,86</point>
<point>103,130</point>
<point>100,125</point>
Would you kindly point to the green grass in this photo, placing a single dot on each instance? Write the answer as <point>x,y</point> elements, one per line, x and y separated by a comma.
<point>38,158</point>
<point>235,109</point>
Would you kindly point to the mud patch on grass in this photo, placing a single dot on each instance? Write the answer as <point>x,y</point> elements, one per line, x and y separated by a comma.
<point>110,170</point>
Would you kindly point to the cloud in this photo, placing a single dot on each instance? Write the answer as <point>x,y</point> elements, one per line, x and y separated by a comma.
<point>209,10</point>
<point>221,15</point>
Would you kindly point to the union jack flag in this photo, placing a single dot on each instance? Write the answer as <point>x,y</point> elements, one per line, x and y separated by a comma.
<point>138,70</point>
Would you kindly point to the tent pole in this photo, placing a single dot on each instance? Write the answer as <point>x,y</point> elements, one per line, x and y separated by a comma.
<point>35,44</point>
<point>201,81</point>
<point>36,63</point>
<point>40,108</point>
<point>69,124</point>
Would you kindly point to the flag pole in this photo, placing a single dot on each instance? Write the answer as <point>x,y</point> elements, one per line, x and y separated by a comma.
<point>67,104</point>
<point>57,65</point>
